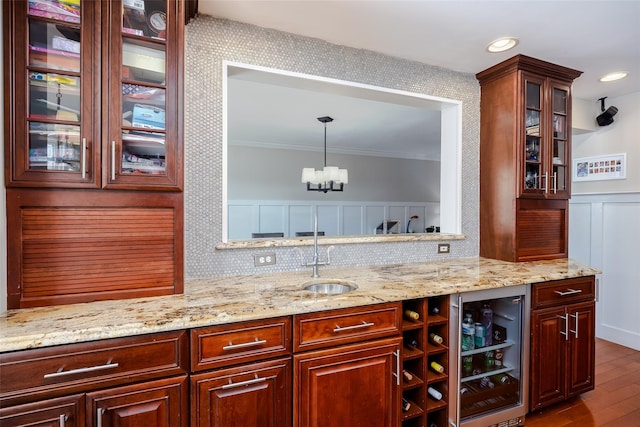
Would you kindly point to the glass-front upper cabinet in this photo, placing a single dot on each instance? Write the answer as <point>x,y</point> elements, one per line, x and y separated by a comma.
<point>144,85</point>
<point>546,139</point>
<point>93,93</point>
<point>51,130</point>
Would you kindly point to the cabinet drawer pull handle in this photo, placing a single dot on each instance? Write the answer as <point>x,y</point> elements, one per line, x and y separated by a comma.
<point>108,365</point>
<point>113,160</point>
<point>99,413</point>
<point>546,183</point>
<point>569,291</point>
<point>397,373</point>
<point>364,324</point>
<point>63,419</point>
<point>83,156</point>
<point>555,182</point>
<point>243,383</point>
<point>233,346</point>
<point>576,330</point>
<point>566,327</point>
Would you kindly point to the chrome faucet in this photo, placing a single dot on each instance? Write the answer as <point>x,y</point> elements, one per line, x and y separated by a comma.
<point>315,262</point>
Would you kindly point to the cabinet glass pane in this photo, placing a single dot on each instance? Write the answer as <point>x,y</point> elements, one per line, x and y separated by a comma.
<point>143,153</point>
<point>54,147</point>
<point>143,107</point>
<point>54,46</point>
<point>560,177</point>
<point>147,18</point>
<point>533,122</point>
<point>143,64</point>
<point>533,95</point>
<point>559,126</point>
<point>533,166</point>
<point>559,152</point>
<point>560,101</point>
<point>54,97</point>
<point>60,10</point>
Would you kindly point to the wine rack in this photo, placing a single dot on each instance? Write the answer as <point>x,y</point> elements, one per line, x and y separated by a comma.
<point>419,351</point>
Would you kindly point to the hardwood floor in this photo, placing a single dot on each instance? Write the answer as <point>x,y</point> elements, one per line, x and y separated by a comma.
<point>615,402</point>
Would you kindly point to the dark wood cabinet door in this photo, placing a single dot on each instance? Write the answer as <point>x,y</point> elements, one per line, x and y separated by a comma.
<point>161,403</point>
<point>67,411</point>
<point>254,395</point>
<point>581,356</point>
<point>353,385</point>
<point>548,354</point>
<point>52,97</point>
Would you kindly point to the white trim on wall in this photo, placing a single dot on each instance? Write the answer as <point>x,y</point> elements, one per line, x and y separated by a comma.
<point>604,232</point>
<point>334,218</point>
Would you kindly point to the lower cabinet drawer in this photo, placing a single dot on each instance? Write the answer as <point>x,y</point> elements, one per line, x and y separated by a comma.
<point>53,371</point>
<point>218,346</point>
<point>560,292</point>
<point>330,328</point>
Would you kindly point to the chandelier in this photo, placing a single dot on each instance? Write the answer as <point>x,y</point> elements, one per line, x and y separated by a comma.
<point>330,178</point>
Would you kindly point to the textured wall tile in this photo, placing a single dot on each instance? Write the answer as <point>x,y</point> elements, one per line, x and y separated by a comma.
<point>209,41</point>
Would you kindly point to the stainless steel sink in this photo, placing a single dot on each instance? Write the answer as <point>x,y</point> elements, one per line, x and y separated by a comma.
<point>329,286</point>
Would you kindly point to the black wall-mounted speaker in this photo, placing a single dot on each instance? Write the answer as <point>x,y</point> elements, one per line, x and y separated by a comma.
<point>606,117</point>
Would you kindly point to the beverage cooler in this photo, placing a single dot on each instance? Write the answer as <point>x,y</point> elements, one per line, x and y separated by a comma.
<point>489,357</point>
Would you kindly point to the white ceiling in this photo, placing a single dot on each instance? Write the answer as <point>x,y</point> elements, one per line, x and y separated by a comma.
<point>596,37</point>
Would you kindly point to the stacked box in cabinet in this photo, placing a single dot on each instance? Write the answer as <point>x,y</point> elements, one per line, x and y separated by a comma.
<point>422,358</point>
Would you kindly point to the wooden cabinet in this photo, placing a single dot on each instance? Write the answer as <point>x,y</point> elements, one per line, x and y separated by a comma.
<point>66,411</point>
<point>160,403</point>
<point>351,385</point>
<point>352,374</point>
<point>93,94</point>
<point>66,246</point>
<point>251,395</point>
<point>248,388</point>
<point>562,340</point>
<point>93,106</point>
<point>137,379</point>
<point>425,343</point>
<point>525,156</point>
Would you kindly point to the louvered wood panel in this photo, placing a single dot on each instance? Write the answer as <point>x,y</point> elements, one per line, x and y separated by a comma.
<point>541,234</point>
<point>70,251</point>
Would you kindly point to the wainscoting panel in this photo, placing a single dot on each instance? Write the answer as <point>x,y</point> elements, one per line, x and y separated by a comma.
<point>604,232</point>
<point>334,218</point>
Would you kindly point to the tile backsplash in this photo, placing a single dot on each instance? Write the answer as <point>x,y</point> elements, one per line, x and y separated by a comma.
<point>209,41</point>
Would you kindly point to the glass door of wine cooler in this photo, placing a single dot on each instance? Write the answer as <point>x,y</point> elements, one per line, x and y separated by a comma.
<point>491,360</point>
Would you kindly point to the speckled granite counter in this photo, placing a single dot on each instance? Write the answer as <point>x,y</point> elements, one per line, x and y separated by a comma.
<point>231,299</point>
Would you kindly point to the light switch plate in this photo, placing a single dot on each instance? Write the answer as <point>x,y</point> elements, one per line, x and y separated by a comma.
<point>443,248</point>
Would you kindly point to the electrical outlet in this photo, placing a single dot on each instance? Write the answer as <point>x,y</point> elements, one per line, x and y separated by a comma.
<point>266,259</point>
<point>443,248</point>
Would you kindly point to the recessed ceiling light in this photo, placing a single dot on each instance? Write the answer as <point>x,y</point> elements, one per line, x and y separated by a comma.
<point>617,75</point>
<point>502,44</point>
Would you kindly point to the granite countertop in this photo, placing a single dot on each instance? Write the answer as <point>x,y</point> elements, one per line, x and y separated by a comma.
<point>222,300</point>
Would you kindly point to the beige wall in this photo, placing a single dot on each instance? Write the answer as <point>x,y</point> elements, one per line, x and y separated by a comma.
<point>619,137</point>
